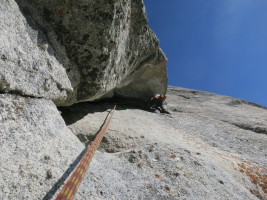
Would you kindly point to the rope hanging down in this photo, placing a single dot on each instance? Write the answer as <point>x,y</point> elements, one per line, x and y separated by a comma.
<point>73,183</point>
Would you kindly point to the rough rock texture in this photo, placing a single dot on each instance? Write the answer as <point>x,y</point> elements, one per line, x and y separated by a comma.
<point>36,147</point>
<point>210,147</point>
<point>105,46</point>
<point>27,64</point>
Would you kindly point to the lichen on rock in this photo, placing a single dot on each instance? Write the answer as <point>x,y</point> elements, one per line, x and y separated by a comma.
<point>105,46</point>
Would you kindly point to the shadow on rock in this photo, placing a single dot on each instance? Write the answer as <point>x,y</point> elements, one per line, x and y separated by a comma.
<point>76,112</point>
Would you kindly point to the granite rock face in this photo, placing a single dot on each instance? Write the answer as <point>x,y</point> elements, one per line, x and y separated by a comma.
<point>36,147</point>
<point>63,52</point>
<point>28,65</point>
<point>106,46</point>
<point>210,147</point>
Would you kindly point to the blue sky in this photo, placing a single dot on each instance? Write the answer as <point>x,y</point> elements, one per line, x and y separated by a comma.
<point>218,46</point>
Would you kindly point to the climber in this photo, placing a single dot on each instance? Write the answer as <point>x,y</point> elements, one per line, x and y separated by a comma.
<point>156,103</point>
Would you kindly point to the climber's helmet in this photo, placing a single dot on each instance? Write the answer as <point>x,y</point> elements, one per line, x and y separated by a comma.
<point>157,96</point>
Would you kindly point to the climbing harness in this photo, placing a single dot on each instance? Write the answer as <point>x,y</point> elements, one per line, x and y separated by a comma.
<point>71,186</point>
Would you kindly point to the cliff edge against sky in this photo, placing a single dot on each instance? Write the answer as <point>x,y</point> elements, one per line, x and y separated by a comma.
<point>59,53</point>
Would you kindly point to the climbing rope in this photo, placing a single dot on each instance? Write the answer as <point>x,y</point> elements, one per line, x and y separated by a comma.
<point>71,186</point>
